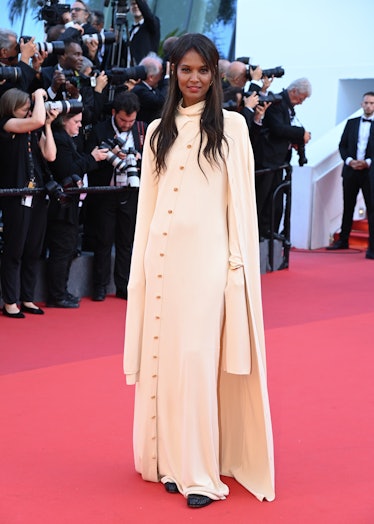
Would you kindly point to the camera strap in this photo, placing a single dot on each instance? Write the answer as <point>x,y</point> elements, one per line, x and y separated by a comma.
<point>30,163</point>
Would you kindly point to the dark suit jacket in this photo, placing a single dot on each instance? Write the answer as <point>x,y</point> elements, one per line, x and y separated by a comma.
<point>151,101</point>
<point>348,143</point>
<point>102,175</point>
<point>147,38</point>
<point>273,147</point>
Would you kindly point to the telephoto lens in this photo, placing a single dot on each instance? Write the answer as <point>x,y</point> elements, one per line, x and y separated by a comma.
<point>65,106</point>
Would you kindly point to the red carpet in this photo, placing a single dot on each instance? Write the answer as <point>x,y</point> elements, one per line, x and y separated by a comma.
<point>66,412</point>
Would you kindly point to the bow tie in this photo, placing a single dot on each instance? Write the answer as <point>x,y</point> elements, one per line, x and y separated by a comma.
<point>366,120</point>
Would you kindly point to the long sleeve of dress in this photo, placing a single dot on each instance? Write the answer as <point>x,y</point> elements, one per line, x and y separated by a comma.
<point>237,356</point>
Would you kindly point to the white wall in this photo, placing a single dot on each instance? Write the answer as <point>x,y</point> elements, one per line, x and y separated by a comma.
<point>328,41</point>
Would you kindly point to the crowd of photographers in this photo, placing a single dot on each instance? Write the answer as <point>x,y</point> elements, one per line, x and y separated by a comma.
<point>100,90</point>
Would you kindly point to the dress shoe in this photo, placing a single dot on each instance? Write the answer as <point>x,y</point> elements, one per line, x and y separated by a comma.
<point>339,244</point>
<point>63,303</point>
<point>121,293</point>
<point>171,487</point>
<point>198,501</point>
<point>31,310</point>
<point>73,298</point>
<point>369,254</point>
<point>12,315</point>
<point>99,295</point>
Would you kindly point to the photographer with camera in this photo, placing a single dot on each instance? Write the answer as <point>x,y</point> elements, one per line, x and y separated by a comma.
<point>64,82</point>
<point>24,146</point>
<point>279,135</point>
<point>151,97</point>
<point>115,213</point>
<point>68,169</point>
<point>16,72</point>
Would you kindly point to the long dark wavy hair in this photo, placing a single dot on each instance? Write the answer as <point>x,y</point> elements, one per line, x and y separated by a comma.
<point>211,123</point>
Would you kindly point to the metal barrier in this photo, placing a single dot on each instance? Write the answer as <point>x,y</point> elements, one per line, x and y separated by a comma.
<point>285,236</point>
<point>284,187</point>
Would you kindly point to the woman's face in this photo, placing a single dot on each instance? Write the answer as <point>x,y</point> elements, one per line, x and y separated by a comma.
<point>194,78</point>
<point>23,111</point>
<point>73,124</point>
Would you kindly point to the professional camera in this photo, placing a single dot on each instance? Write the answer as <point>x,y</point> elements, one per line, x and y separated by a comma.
<point>51,11</point>
<point>270,97</point>
<point>119,75</point>
<point>108,37</point>
<point>300,147</point>
<point>127,168</point>
<point>277,72</point>
<point>56,192</point>
<point>131,164</point>
<point>65,106</point>
<point>13,74</point>
<point>57,47</point>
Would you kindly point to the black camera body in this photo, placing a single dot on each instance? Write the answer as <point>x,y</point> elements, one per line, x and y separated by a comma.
<point>270,97</point>
<point>51,11</point>
<point>119,75</point>
<point>13,74</point>
<point>276,72</point>
<point>301,154</point>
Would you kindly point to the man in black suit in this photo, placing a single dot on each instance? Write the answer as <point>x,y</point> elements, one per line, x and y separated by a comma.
<point>273,148</point>
<point>151,97</point>
<point>357,150</point>
<point>144,36</point>
<point>115,213</point>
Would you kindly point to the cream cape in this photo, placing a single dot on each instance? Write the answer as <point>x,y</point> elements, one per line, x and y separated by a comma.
<point>245,433</point>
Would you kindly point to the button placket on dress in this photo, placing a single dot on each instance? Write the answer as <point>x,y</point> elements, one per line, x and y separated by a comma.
<point>170,206</point>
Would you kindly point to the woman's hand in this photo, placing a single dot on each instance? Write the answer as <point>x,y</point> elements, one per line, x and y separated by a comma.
<point>52,114</point>
<point>99,154</point>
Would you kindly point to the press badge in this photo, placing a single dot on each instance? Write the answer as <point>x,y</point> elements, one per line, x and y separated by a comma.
<point>27,199</point>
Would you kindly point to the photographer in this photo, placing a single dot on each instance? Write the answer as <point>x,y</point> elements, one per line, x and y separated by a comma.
<point>68,169</point>
<point>144,34</point>
<point>23,146</point>
<point>115,214</point>
<point>23,74</point>
<point>151,97</point>
<point>274,148</point>
<point>65,82</point>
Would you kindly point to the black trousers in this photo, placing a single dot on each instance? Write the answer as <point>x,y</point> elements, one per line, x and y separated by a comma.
<point>24,230</point>
<point>116,214</point>
<point>353,181</point>
<point>265,185</point>
<point>62,239</point>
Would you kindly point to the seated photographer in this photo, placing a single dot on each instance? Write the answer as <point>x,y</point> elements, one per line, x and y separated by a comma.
<point>281,131</point>
<point>23,148</point>
<point>18,73</point>
<point>115,213</point>
<point>68,169</point>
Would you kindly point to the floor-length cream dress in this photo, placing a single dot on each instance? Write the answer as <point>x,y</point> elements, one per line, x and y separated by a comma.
<point>176,312</point>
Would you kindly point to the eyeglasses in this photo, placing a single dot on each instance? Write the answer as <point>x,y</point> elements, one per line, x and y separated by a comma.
<point>77,9</point>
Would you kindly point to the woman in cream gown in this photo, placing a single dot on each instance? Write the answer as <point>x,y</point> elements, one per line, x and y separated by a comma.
<point>194,342</point>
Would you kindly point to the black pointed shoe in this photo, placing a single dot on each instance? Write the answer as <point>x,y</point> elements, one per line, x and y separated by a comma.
<point>31,310</point>
<point>6,313</point>
<point>198,501</point>
<point>171,487</point>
